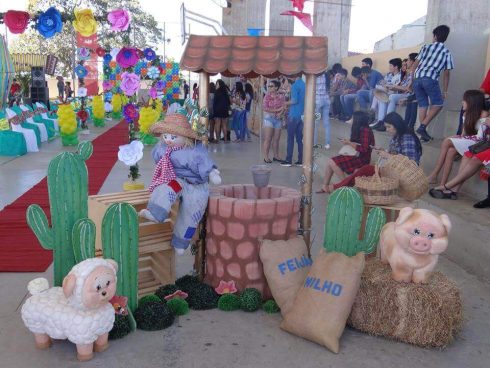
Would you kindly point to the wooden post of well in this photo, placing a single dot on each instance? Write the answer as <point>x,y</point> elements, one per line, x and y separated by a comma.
<point>308,130</point>
<point>203,96</point>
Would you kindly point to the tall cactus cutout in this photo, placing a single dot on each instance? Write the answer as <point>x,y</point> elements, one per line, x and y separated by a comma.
<point>344,218</point>
<point>83,235</point>
<point>68,195</point>
<point>120,242</point>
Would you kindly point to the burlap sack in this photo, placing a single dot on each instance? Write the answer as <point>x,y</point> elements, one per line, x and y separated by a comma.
<point>286,264</point>
<point>324,302</point>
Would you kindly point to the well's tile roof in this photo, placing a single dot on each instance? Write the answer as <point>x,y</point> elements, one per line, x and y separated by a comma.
<point>252,56</point>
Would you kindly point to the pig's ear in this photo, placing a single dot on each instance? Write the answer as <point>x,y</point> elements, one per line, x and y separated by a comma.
<point>446,222</point>
<point>405,213</point>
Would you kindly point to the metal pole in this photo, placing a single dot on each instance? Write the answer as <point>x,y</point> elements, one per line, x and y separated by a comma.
<point>308,130</point>
<point>203,97</point>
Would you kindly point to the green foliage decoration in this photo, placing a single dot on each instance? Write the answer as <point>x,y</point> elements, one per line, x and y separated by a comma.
<point>250,300</point>
<point>270,306</point>
<point>121,328</point>
<point>147,299</point>
<point>229,302</point>
<point>154,316</point>
<point>166,290</point>
<point>178,306</point>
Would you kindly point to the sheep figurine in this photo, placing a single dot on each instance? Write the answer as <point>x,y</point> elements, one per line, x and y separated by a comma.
<point>79,311</point>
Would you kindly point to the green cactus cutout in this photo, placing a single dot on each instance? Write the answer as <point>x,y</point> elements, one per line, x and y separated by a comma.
<point>83,235</point>
<point>344,217</point>
<point>68,196</point>
<point>120,243</point>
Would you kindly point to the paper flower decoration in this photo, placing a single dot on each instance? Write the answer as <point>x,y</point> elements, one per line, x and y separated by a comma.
<point>82,115</point>
<point>153,72</point>
<point>107,58</point>
<point>160,85</point>
<point>130,83</point>
<point>149,54</point>
<point>130,112</point>
<point>84,22</point>
<point>153,92</point>
<point>120,304</point>
<point>131,153</point>
<point>16,21</point>
<point>83,53</point>
<point>49,23</point>
<point>119,20</point>
<point>107,85</point>
<point>107,107</point>
<point>81,71</point>
<point>127,57</point>
<point>226,287</point>
<point>100,51</point>
<point>178,294</point>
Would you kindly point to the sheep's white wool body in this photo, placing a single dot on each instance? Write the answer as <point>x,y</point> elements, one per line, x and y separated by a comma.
<point>50,312</point>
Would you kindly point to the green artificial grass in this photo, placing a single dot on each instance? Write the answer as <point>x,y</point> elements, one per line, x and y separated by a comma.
<point>186,282</point>
<point>270,306</point>
<point>178,306</point>
<point>229,302</point>
<point>166,290</point>
<point>250,300</point>
<point>153,316</point>
<point>148,298</point>
<point>201,296</point>
<point>121,327</point>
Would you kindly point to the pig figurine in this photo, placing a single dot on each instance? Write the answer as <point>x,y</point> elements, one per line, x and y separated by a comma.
<point>412,244</point>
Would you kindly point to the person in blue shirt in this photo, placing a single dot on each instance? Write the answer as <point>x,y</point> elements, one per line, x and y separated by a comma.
<point>366,96</point>
<point>295,122</point>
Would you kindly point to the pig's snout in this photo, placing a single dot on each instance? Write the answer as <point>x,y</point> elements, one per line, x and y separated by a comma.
<point>420,244</point>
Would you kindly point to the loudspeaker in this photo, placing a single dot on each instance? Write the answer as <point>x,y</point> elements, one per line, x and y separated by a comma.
<point>51,62</point>
<point>39,94</point>
<point>38,77</point>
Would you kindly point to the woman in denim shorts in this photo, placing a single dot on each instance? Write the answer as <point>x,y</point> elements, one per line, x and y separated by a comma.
<point>273,105</point>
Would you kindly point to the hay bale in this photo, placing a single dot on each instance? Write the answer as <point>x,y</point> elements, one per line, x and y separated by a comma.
<point>428,315</point>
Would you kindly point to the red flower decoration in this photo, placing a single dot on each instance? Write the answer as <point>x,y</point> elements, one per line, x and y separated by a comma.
<point>120,304</point>
<point>226,287</point>
<point>100,51</point>
<point>16,21</point>
<point>177,294</point>
<point>82,115</point>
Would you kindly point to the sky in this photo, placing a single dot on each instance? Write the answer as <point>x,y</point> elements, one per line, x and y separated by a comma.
<point>371,20</point>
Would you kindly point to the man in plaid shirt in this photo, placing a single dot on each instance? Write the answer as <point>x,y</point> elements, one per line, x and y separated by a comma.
<point>431,60</point>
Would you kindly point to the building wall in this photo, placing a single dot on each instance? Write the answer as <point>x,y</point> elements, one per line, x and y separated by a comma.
<point>408,36</point>
<point>280,25</point>
<point>332,19</point>
<point>244,14</point>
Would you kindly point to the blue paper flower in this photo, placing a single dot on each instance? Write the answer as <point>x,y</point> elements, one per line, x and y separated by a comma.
<point>49,23</point>
<point>112,77</point>
<point>108,96</point>
<point>153,72</point>
<point>149,54</point>
<point>107,58</point>
<point>81,71</point>
<point>160,85</point>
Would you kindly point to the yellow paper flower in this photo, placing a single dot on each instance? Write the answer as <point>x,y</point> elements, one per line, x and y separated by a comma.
<point>84,22</point>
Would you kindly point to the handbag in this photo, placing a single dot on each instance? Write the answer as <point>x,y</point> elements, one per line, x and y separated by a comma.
<point>348,150</point>
<point>479,147</point>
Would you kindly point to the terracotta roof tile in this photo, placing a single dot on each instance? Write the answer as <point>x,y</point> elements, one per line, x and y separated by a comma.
<point>252,56</point>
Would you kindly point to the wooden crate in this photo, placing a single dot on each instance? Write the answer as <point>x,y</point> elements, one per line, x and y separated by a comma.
<point>156,262</point>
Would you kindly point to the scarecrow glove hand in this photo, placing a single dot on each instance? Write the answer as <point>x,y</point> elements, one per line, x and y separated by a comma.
<point>214,177</point>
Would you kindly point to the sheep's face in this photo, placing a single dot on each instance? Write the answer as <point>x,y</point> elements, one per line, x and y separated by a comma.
<point>99,287</point>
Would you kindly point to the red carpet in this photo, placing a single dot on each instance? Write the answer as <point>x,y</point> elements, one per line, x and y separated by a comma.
<point>20,250</point>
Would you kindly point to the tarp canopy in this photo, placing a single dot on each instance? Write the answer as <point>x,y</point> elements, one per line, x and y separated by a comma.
<point>253,56</point>
<point>24,62</point>
<point>6,73</point>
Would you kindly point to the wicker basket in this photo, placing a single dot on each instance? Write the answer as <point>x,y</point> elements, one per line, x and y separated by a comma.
<point>377,190</point>
<point>413,182</point>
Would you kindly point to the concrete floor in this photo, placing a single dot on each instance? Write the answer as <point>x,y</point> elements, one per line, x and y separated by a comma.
<point>219,339</point>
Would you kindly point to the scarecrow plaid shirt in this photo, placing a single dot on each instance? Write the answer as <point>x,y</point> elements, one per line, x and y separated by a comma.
<point>164,171</point>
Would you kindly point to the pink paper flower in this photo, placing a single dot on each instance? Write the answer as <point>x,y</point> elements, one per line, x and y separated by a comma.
<point>177,294</point>
<point>153,92</point>
<point>127,57</point>
<point>119,20</point>
<point>130,83</point>
<point>226,287</point>
<point>120,304</point>
<point>107,85</point>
